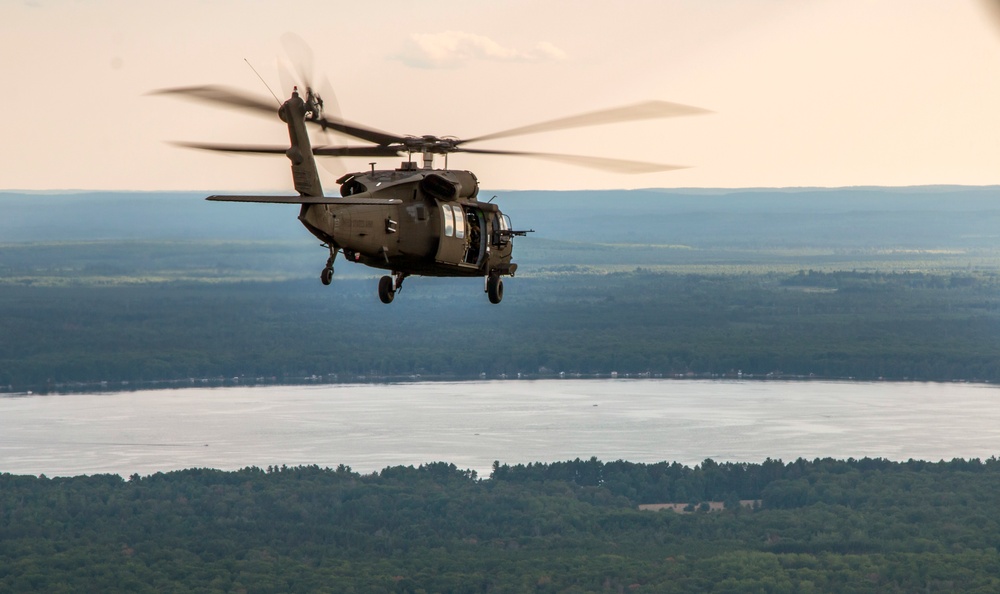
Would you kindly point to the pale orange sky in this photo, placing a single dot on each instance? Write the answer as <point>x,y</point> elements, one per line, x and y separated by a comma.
<point>804,92</point>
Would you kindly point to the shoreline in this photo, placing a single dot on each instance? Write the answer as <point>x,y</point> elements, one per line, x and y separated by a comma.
<point>125,386</point>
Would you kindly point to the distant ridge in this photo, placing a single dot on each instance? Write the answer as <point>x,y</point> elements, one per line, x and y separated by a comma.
<point>914,217</point>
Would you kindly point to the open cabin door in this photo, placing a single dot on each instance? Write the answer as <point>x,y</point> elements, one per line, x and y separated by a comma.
<point>460,242</point>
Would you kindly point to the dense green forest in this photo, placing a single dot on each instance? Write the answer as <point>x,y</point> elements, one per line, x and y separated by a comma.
<point>862,325</point>
<point>867,525</point>
<point>865,283</point>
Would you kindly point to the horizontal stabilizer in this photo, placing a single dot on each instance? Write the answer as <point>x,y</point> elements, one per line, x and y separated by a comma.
<point>359,199</point>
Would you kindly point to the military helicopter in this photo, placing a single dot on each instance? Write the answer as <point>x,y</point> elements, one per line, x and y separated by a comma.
<point>410,220</point>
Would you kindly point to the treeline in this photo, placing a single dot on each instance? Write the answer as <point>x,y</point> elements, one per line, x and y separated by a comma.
<point>776,484</point>
<point>848,324</point>
<point>867,525</point>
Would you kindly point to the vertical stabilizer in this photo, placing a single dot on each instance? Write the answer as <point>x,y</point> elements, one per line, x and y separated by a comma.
<point>304,173</point>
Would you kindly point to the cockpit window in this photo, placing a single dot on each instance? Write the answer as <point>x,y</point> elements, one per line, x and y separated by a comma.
<point>449,219</point>
<point>459,223</point>
<point>501,224</point>
<point>352,187</point>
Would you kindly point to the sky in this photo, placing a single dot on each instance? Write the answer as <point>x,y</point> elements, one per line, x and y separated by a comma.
<point>826,93</point>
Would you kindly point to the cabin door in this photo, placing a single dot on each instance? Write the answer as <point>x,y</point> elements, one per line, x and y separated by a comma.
<point>475,229</point>
<point>452,240</point>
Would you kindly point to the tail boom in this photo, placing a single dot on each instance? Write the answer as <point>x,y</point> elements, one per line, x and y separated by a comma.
<point>305,176</point>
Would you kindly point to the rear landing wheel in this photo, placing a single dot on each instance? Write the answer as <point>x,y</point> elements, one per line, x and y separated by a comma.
<point>494,288</point>
<point>326,277</point>
<point>386,292</point>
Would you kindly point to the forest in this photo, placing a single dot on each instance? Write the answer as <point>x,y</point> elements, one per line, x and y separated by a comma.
<point>105,291</point>
<point>833,325</point>
<point>867,525</point>
<point>113,291</point>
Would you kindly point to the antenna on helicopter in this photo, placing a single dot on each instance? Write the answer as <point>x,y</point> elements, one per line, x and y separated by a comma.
<point>278,101</point>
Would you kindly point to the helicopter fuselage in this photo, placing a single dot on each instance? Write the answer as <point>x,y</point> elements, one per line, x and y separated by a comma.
<point>410,221</point>
<point>430,224</point>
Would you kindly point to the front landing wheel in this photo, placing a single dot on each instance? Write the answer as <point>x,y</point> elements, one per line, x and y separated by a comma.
<point>494,288</point>
<point>386,292</point>
<point>326,277</point>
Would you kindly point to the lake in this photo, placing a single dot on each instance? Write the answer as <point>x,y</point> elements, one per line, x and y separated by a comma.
<point>371,426</point>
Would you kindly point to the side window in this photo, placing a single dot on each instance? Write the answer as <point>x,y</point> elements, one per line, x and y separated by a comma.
<point>449,219</point>
<point>500,239</point>
<point>459,223</point>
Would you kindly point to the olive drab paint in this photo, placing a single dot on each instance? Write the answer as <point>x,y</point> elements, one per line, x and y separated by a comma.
<point>409,221</point>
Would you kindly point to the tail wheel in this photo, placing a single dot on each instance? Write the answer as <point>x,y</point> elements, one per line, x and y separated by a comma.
<point>386,292</point>
<point>494,288</point>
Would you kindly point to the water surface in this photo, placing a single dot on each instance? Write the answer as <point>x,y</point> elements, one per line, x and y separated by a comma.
<point>471,424</point>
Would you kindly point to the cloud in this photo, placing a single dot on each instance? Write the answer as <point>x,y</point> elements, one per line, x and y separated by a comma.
<point>452,49</point>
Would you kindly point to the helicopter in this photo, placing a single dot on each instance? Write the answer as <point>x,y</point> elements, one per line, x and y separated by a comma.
<point>412,220</point>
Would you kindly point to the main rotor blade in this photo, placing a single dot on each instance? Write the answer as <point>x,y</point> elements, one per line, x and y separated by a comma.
<point>640,111</point>
<point>323,151</point>
<point>223,95</point>
<point>605,164</point>
<point>355,151</point>
<point>226,96</point>
<point>357,131</point>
